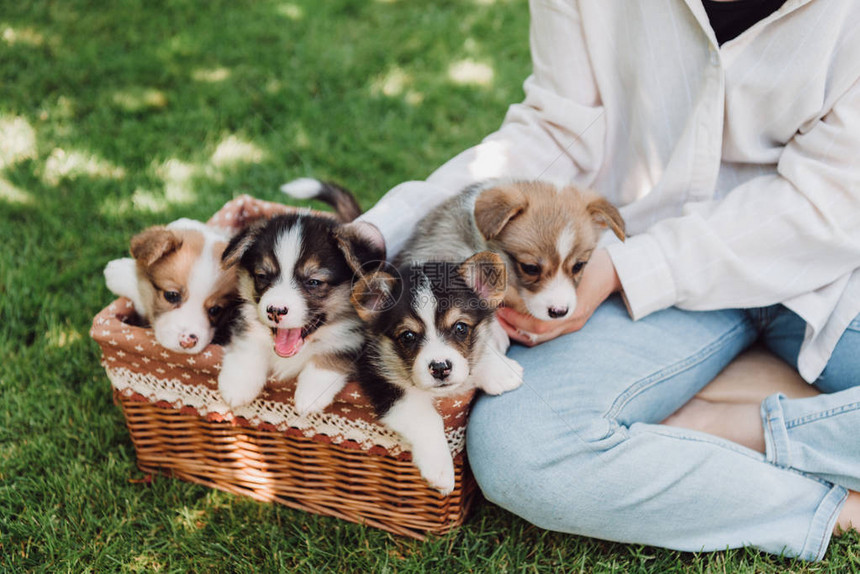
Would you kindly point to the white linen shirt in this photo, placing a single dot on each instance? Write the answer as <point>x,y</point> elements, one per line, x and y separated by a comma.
<point>736,167</point>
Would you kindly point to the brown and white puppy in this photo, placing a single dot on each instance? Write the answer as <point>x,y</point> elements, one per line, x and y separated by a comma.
<point>175,281</point>
<point>429,328</point>
<point>544,232</point>
<point>295,319</point>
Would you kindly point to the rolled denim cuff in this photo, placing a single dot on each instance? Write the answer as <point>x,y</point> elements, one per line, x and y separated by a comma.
<point>778,452</point>
<point>823,523</point>
<point>777,447</point>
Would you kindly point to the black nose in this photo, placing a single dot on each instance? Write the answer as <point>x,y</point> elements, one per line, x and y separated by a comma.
<point>440,369</point>
<point>275,313</point>
<point>557,312</point>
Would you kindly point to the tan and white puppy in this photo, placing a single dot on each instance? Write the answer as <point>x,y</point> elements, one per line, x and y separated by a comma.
<point>175,281</point>
<point>544,232</point>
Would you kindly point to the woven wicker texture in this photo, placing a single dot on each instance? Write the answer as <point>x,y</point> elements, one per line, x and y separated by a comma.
<point>300,473</point>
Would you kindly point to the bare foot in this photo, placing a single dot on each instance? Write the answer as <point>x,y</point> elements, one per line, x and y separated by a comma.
<point>849,517</point>
<point>737,422</point>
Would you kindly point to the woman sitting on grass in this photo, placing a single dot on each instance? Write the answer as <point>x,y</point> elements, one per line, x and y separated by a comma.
<point>729,132</point>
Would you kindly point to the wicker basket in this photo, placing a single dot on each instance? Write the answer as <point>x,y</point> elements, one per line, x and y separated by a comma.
<point>339,463</point>
<point>298,472</point>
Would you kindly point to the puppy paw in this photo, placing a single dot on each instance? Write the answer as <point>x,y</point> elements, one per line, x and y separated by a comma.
<point>316,389</point>
<point>306,400</point>
<point>438,471</point>
<point>121,279</point>
<point>236,388</point>
<point>498,338</point>
<point>499,375</point>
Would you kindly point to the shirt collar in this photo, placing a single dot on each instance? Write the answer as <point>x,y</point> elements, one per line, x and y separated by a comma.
<point>698,10</point>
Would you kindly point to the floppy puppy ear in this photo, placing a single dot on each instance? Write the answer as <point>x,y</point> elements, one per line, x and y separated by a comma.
<point>496,206</point>
<point>485,274</point>
<point>374,293</point>
<point>239,244</point>
<point>604,214</point>
<point>152,244</point>
<point>362,245</point>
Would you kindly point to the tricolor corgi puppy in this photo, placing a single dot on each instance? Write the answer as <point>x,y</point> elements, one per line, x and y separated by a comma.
<point>295,319</point>
<point>429,329</point>
<point>175,281</point>
<point>544,232</point>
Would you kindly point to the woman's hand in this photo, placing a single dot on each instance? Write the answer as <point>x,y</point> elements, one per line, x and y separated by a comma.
<point>599,281</point>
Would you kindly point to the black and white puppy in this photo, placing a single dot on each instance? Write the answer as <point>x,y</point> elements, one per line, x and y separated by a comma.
<point>295,318</point>
<point>429,328</point>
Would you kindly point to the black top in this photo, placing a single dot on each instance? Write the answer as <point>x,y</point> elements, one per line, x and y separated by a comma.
<point>730,19</point>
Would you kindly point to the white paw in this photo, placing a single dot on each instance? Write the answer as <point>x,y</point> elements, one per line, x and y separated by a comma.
<point>236,387</point>
<point>437,470</point>
<point>121,280</point>
<point>316,389</point>
<point>306,399</point>
<point>498,338</point>
<point>499,374</point>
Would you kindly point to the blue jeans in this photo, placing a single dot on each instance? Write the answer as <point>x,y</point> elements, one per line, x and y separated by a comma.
<point>579,448</point>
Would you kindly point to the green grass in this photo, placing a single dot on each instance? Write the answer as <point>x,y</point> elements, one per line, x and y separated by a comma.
<point>118,115</point>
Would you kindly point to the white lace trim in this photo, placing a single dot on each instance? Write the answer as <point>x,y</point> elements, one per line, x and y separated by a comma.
<point>280,415</point>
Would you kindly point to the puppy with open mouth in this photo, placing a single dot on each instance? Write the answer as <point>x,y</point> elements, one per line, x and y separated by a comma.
<point>429,327</point>
<point>295,318</point>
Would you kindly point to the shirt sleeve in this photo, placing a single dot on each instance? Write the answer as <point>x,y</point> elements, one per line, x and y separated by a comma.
<point>557,132</point>
<point>772,238</point>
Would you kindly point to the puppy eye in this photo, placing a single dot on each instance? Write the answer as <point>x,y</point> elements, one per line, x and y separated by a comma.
<point>461,329</point>
<point>261,275</point>
<point>530,269</point>
<point>313,283</point>
<point>577,267</point>
<point>215,310</point>
<point>173,297</point>
<point>407,338</point>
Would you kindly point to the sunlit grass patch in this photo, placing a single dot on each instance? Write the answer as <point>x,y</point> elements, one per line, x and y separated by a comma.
<point>391,83</point>
<point>17,140</point>
<point>210,75</point>
<point>177,188</point>
<point>139,98</point>
<point>13,194</point>
<point>21,36</point>
<point>292,11</point>
<point>471,73</point>
<point>75,163</point>
<point>59,336</point>
<point>233,150</point>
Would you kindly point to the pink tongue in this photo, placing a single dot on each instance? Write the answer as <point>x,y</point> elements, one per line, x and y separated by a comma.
<point>288,342</point>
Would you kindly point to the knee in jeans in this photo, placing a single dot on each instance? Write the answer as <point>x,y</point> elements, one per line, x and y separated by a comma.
<point>552,494</point>
<point>530,476</point>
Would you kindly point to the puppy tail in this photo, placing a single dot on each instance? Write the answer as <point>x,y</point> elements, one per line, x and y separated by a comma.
<point>344,203</point>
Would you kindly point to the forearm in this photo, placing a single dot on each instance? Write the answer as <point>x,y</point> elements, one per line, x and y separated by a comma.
<point>768,240</point>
